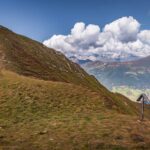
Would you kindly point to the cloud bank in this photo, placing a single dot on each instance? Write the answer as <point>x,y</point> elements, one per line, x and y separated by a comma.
<point>121,39</point>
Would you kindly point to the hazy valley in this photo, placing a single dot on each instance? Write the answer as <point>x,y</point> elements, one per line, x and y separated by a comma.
<point>129,78</point>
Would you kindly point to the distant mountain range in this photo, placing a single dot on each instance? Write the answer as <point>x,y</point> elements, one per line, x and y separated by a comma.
<point>109,57</point>
<point>132,73</point>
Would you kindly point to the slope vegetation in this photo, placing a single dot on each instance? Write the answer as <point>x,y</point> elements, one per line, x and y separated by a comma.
<point>37,114</point>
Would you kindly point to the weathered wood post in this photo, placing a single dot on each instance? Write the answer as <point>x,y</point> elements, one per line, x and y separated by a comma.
<point>142,111</point>
<point>142,99</point>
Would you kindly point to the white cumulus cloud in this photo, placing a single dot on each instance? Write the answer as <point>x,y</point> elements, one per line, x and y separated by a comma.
<point>124,29</point>
<point>144,36</point>
<point>121,39</point>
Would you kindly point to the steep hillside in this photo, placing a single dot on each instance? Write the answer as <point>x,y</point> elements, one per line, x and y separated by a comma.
<point>30,58</point>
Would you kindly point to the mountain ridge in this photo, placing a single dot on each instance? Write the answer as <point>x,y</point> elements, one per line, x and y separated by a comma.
<point>31,58</point>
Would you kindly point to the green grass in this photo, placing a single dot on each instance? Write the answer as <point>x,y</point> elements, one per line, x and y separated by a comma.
<point>131,93</point>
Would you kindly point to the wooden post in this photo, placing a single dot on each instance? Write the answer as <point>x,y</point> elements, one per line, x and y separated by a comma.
<point>142,109</point>
<point>142,99</point>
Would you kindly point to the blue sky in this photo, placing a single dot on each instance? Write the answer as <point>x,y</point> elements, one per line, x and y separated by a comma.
<point>40,19</point>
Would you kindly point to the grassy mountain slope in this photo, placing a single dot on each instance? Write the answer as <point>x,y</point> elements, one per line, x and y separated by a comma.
<point>37,114</point>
